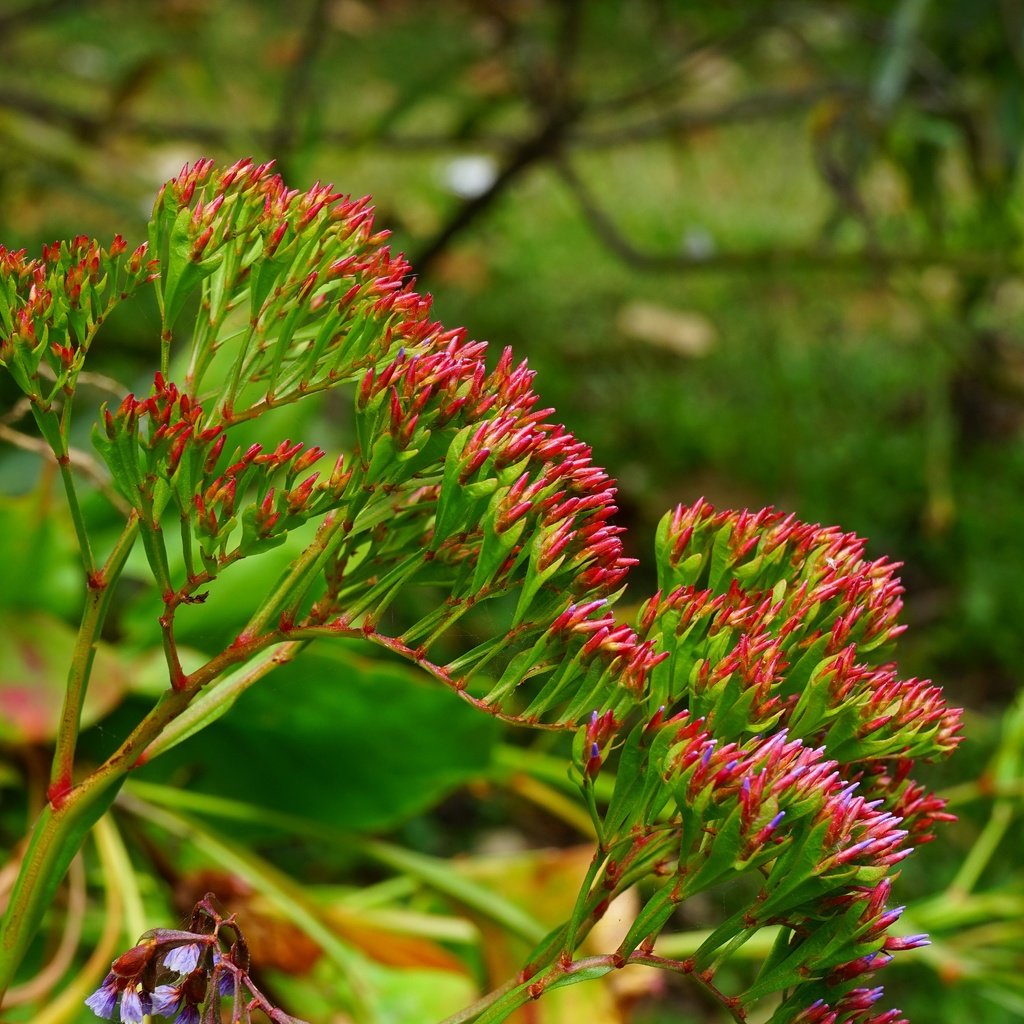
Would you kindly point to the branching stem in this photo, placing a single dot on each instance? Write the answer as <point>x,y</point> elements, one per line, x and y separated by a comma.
<point>101,587</point>
<point>61,828</point>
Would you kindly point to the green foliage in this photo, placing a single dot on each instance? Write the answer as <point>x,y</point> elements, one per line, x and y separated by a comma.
<point>826,200</point>
<point>317,718</point>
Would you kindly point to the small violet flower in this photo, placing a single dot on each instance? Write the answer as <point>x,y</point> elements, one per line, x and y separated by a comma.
<point>183,959</point>
<point>166,1000</point>
<point>104,999</point>
<point>133,1008</point>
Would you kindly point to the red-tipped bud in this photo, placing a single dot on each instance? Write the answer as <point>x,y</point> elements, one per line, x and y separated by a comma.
<point>396,412</point>
<point>137,258</point>
<point>214,454</point>
<point>475,462</point>
<point>250,455</point>
<point>307,459</point>
<point>307,285</point>
<point>200,244</point>
<point>297,497</point>
<point>512,515</point>
<point>176,452</point>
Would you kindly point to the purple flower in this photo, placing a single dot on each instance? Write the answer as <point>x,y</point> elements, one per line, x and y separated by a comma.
<point>104,999</point>
<point>188,1015</point>
<point>132,1010</point>
<point>166,999</point>
<point>183,959</point>
<point>897,942</point>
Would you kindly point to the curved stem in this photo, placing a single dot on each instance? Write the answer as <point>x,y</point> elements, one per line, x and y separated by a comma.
<point>61,828</point>
<point>172,703</point>
<point>439,672</point>
<point>216,700</point>
<point>84,546</point>
<point>498,1005</point>
<point>114,862</point>
<point>299,577</point>
<point>156,553</point>
<point>54,429</point>
<point>98,596</point>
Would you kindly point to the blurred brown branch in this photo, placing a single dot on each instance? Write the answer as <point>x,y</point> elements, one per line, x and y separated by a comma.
<point>296,90</point>
<point>767,258</point>
<point>576,135</point>
<point>31,12</point>
<point>557,110</point>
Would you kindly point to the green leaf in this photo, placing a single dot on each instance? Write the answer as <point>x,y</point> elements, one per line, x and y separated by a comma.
<point>34,658</point>
<point>182,273</point>
<point>721,856</point>
<point>370,726</point>
<point>41,568</point>
<point>721,556</point>
<point>629,779</point>
<point>651,919</point>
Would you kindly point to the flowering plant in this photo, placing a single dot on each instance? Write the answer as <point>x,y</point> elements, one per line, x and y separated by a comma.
<point>749,734</point>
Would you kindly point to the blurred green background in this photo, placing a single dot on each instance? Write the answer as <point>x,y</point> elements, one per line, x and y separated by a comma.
<point>766,252</point>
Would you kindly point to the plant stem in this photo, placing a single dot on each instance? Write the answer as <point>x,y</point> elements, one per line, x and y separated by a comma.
<point>983,849</point>
<point>216,700</point>
<point>301,574</point>
<point>114,863</point>
<point>476,1008</point>
<point>498,1005</point>
<point>97,603</point>
<point>156,553</point>
<point>61,828</point>
<point>172,703</point>
<point>54,429</point>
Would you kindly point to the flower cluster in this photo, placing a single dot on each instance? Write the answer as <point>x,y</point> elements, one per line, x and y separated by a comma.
<point>185,975</point>
<point>257,489</point>
<point>754,726</point>
<point>764,793</point>
<point>770,745</point>
<point>773,623</point>
<point>456,478</point>
<point>852,1008</point>
<point>52,307</point>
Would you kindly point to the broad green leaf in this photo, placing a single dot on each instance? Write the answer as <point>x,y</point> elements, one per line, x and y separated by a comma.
<point>371,727</point>
<point>34,659</point>
<point>41,567</point>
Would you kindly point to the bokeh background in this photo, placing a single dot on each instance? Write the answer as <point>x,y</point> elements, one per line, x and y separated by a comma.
<point>767,252</point>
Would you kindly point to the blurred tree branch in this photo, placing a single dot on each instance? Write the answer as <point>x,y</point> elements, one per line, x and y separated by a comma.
<point>572,111</point>
<point>31,12</point>
<point>804,259</point>
<point>296,90</point>
<point>764,104</point>
<point>576,134</point>
<point>557,108</point>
